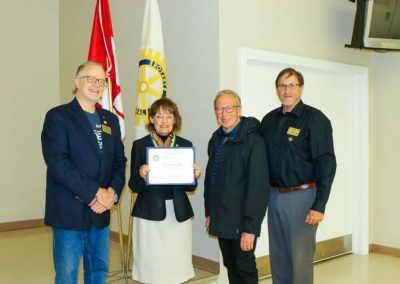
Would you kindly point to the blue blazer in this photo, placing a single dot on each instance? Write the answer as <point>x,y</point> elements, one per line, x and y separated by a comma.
<point>77,168</point>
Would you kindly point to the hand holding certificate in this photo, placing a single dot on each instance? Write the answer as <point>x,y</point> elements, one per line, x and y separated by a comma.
<point>170,165</point>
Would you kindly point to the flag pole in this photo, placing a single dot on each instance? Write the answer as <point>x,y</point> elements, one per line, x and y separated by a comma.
<point>110,101</point>
<point>119,217</point>
<point>120,229</point>
<point>129,247</point>
<point>121,251</point>
<point>121,243</point>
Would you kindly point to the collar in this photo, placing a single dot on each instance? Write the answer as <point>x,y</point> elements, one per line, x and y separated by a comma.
<point>234,135</point>
<point>231,133</point>
<point>158,142</point>
<point>235,127</point>
<point>297,110</point>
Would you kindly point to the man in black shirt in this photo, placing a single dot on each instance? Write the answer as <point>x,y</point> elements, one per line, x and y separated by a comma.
<point>302,167</point>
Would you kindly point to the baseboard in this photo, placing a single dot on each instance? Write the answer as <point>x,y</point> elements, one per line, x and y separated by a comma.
<point>324,250</point>
<point>375,248</point>
<point>333,247</point>
<point>20,225</point>
<point>114,236</point>
<point>205,264</point>
<point>198,262</point>
<point>263,266</point>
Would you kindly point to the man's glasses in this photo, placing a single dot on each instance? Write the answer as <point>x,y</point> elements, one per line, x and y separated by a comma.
<point>228,109</point>
<point>94,80</point>
<point>290,86</point>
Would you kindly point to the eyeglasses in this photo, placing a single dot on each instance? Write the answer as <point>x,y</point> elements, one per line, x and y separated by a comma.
<point>164,117</point>
<point>290,86</point>
<point>228,109</point>
<point>94,80</point>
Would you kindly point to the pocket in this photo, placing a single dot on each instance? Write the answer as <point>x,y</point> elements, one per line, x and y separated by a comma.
<point>301,147</point>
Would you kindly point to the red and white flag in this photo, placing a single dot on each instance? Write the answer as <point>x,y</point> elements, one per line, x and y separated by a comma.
<point>102,49</point>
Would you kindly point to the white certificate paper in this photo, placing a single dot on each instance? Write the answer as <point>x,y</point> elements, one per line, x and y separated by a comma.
<point>170,165</point>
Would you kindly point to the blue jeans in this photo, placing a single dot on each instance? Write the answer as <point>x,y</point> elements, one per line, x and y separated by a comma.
<point>70,245</point>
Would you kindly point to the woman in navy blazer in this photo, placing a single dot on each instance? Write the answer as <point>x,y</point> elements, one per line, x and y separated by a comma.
<point>162,238</point>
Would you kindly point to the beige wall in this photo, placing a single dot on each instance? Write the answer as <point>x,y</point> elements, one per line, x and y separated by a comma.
<point>385,153</point>
<point>30,86</point>
<point>75,21</point>
<point>310,28</point>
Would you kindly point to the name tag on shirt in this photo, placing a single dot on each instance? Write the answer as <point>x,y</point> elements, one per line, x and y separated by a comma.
<point>106,129</point>
<point>293,131</point>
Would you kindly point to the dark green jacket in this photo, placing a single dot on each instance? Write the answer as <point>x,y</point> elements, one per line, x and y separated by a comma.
<point>238,201</point>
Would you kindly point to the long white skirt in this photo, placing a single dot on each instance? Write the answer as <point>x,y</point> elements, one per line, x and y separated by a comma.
<point>162,250</point>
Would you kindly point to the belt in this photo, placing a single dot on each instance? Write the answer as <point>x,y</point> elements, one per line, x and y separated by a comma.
<point>297,187</point>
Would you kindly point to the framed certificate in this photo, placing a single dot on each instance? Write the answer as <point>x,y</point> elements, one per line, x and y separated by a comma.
<point>170,166</point>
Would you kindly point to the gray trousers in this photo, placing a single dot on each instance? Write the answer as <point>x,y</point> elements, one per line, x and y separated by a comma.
<point>291,240</point>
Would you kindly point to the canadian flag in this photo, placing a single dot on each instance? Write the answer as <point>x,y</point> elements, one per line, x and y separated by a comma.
<point>102,49</point>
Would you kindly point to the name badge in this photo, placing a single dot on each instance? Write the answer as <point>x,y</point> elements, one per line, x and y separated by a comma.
<point>293,131</point>
<point>106,129</point>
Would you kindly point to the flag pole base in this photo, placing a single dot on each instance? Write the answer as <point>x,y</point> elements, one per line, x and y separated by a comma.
<point>122,273</point>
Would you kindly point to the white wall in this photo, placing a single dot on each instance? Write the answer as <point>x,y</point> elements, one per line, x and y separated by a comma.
<point>309,28</point>
<point>30,86</point>
<point>385,142</point>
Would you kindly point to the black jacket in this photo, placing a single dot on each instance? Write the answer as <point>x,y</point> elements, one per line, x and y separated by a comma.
<point>238,201</point>
<point>150,202</point>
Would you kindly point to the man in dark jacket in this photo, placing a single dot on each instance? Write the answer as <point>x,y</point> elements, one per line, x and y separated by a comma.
<point>85,162</point>
<point>236,187</point>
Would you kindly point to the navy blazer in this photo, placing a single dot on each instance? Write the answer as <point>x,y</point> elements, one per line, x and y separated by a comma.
<point>150,202</point>
<point>77,168</point>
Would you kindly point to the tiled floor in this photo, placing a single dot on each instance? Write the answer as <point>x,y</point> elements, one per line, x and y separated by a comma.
<point>356,269</point>
<point>26,257</point>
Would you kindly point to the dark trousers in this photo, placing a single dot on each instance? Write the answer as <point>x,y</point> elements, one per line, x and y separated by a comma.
<point>291,239</point>
<point>241,265</point>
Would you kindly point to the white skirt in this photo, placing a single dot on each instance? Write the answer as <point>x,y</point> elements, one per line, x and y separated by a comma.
<point>162,250</point>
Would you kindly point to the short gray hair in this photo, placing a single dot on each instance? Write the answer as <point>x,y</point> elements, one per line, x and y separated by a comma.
<point>228,92</point>
<point>81,68</point>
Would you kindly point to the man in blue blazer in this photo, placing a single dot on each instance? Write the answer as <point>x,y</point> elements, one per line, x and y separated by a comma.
<point>85,160</point>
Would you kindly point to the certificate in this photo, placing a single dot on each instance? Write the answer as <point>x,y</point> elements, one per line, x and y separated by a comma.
<point>172,166</point>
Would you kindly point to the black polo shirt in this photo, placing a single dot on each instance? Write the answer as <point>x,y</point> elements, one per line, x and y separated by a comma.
<point>300,150</point>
